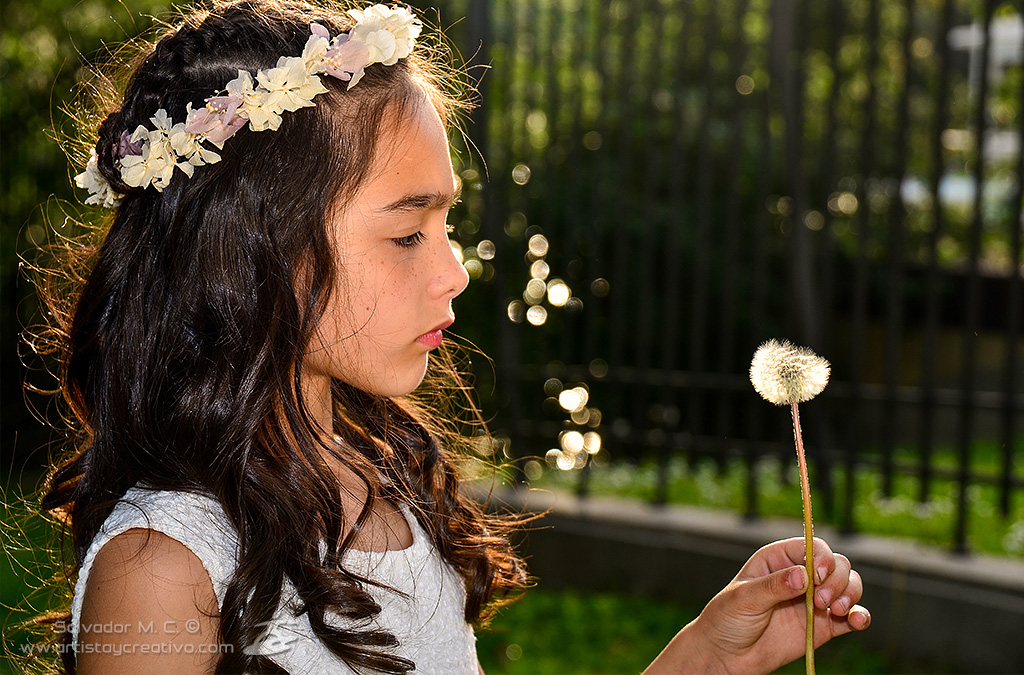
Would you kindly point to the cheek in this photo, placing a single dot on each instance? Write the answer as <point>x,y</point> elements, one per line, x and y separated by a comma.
<point>358,293</point>
<point>379,295</point>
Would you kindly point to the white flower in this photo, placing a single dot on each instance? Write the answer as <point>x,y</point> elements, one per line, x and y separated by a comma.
<point>253,106</point>
<point>290,85</point>
<point>155,139</point>
<point>390,33</point>
<point>315,49</point>
<point>161,120</point>
<point>190,147</point>
<point>154,166</point>
<point>382,46</point>
<point>99,189</point>
<point>784,374</point>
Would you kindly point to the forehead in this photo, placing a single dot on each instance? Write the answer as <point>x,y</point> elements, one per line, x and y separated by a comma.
<point>412,158</point>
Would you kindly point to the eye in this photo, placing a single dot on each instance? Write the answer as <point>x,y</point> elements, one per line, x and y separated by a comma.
<point>414,239</point>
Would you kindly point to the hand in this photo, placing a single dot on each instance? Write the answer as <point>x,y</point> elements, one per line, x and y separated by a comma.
<point>756,623</point>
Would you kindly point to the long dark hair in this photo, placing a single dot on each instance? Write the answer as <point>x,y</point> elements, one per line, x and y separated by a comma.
<point>182,348</point>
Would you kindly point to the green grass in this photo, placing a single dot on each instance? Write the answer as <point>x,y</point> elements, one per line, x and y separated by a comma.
<point>778,494</point>
<point>26,566</point>
<point>571,631</point>
<point>560,632</point>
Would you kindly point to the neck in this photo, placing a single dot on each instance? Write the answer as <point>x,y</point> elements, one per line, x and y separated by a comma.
<point>316,394</point>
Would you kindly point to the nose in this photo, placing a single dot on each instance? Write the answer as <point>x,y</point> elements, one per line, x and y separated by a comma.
<point>450,277</point>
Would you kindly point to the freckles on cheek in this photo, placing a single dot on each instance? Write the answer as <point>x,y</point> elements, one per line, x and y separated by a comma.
<point>403,276</point>
<point>379,280</point>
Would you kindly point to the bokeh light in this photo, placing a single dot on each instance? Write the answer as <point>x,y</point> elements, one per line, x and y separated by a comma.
<point>571,442</point>
<point>540,269</point>
<point>521,174</point>
<point>576,447</point>
<point>745,84</point>
<point>537,315</point>
<point>533,469</point>
<point>558,292</point>
<point>535,291</point>
<point>516,311</point>
<point>560,460</point>
<point>552,386</point>
<point>516,224</point>
<point>538,245</point>
<point>486,249</point>
<point>600,287</point>
<point>573,399</point>
<point>598,368</point>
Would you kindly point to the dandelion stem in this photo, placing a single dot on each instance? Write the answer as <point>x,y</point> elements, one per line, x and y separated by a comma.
<point>805,490</point>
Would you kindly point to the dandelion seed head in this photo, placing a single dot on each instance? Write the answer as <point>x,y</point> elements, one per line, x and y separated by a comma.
<point>783,373</point>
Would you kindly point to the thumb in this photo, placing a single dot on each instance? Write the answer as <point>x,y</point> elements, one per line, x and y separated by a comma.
<point>779,586</point>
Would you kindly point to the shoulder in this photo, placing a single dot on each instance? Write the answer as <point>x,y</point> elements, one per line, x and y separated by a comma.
<point>181,537</point>
<point>149,605</point>
<point>196,521</point>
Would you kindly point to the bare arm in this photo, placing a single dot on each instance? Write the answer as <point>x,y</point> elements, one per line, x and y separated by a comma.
<point>756,624</point>
<point>149,607</point>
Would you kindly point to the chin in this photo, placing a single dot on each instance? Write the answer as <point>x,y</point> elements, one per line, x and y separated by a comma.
<point>400,384</point>
<point>411,386</point>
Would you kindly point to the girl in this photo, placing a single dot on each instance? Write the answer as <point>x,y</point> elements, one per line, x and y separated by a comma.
<point>252,489</point>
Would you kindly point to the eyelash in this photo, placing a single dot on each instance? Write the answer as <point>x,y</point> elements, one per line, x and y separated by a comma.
<point>412,240</point>
<point>417,238</point>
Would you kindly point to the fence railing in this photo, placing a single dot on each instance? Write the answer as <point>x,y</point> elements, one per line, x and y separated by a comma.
<point>671,182</point>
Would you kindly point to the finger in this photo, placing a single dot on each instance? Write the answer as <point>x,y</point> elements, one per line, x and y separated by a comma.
<point>835,583</point>
<point>824,561</point>
<point>760,594</point>
<point>857,619</point>
<point>850,596</point>
<point>794,551</point>
<point>784,554</point>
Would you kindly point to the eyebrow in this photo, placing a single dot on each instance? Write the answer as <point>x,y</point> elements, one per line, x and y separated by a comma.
<point>432,201</point>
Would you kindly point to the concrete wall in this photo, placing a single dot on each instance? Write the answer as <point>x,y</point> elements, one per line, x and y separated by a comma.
<point>927,606</point>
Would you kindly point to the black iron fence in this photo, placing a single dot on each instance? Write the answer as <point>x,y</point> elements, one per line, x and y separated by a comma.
<point>671,182</point>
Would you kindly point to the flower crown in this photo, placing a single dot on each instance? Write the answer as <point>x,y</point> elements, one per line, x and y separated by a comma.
<point>149,156</point>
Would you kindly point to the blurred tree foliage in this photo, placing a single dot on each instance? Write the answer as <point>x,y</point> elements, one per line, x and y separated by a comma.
<point>44,46</point>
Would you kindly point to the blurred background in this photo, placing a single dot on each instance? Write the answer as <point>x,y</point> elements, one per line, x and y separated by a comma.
<point>654,188</point>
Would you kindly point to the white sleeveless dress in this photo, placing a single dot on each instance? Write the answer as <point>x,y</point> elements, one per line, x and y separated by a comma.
<point>428,621</point>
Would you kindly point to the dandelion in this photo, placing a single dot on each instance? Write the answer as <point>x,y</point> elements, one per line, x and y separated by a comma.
<point>785,374</point>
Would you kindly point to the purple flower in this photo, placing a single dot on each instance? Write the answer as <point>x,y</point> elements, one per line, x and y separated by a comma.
<point>346,59</point>
<point>317,29</point>
<point>218,120</point>
<point>125,147</point>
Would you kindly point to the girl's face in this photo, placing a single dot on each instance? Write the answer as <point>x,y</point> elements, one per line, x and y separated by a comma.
<point>398,271</point>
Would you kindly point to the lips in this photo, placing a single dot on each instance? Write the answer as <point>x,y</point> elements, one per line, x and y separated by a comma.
<point>432,339</point>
